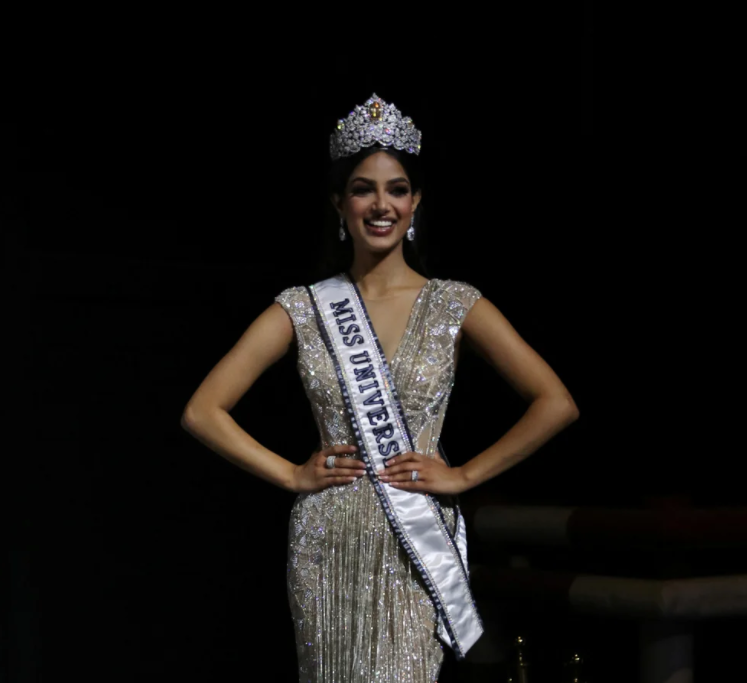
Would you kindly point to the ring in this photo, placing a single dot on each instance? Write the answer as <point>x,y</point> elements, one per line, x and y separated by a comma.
<point>414,475</point>
<point>330,464</point>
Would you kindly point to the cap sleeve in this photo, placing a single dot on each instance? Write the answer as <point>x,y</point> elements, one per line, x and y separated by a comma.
<point>467,294</point>
<point>295,301</point>
<point>463,297</point>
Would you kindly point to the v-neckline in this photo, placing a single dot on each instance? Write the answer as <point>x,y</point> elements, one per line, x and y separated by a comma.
<point>408,326</point>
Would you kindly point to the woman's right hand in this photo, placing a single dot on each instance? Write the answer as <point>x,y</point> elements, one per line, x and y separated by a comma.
<point>314,476</point>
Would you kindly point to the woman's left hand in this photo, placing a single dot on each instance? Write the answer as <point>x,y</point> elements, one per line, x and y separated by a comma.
<point>434,475</point>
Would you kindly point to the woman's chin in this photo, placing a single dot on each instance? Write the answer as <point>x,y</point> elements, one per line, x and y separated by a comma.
<point>380,243</point>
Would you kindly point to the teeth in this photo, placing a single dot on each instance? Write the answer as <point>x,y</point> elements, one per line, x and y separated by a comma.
<point>381,224</point>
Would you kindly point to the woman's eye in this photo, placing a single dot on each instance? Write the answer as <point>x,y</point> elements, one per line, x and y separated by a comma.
<point>397,191</point>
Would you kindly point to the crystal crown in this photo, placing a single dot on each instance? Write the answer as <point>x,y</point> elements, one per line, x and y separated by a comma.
<point>374,122</point>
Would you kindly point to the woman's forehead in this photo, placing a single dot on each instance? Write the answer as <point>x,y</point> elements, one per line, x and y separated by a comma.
<point>381,166</point>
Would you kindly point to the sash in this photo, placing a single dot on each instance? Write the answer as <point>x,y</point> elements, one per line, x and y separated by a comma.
<point>381,430</point>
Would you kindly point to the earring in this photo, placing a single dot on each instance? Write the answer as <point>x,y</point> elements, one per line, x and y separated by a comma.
<point>411,229</point>
<point>342,230</point>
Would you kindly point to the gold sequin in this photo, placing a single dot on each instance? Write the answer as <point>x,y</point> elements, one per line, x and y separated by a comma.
<point>360,610</point>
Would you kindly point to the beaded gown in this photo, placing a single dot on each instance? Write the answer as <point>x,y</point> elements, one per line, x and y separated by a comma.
<point>361,612</point>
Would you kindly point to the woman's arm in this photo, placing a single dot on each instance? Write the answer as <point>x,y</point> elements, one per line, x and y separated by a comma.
<point>551,407</point>
<point>206,415</point>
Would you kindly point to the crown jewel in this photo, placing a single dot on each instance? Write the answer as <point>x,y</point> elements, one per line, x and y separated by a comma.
<point>375,122</point>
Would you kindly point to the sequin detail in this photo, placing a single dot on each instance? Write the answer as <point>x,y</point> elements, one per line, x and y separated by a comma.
<point>359,608</point>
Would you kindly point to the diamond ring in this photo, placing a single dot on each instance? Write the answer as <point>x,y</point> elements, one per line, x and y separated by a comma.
<point>414,475</point>
<point>330,463</point>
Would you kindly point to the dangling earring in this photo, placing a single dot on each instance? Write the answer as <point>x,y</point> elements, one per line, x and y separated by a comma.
<point>411,229</point>
<point>342,230</point>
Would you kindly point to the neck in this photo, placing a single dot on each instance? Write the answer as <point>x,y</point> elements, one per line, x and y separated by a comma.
<point>377,274</point>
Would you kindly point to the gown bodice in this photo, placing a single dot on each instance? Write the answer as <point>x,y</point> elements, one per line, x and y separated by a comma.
<point>422,367</point>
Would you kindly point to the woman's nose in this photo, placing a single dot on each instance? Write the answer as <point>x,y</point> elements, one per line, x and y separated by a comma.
<point>380,203</point>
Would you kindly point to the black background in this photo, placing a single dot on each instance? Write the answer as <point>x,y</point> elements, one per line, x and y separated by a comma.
<point>157,203</point>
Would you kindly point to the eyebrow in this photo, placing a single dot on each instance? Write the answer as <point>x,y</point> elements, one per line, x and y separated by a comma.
<point>389,182</point>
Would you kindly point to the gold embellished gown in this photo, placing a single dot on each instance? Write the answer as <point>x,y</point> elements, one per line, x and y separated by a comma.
<point>361,612</point>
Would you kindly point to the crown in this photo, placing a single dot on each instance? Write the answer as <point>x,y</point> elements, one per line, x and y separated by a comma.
<point>374,122</point>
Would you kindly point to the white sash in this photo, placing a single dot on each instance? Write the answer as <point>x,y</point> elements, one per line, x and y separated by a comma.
<point>381,431</point>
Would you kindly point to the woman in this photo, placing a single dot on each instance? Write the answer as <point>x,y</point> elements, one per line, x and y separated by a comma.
<point>368,592</point>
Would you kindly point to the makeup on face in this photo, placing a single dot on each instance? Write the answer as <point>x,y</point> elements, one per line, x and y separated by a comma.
<point>379,196</point>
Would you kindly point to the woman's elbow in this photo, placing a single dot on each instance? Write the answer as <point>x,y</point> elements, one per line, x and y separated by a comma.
<point>189,418</point>
<point>573,411</point>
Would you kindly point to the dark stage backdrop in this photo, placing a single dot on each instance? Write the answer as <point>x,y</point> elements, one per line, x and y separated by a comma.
<point>151,216</point>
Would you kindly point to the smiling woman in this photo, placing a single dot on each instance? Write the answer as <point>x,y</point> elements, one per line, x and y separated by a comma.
<point>378,199</point>
<point>337,254</point>
<point>377,577</point>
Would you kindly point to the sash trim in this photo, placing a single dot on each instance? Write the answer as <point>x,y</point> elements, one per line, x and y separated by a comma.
<point>434,504</point>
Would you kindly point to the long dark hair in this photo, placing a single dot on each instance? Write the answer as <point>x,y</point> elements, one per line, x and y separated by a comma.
<point>336,255</point>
